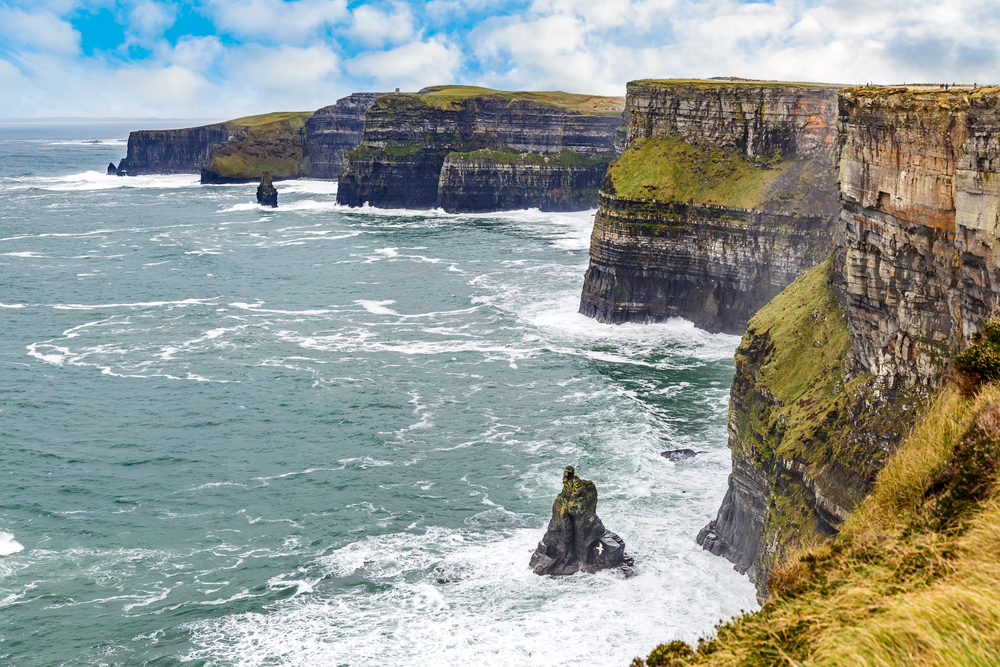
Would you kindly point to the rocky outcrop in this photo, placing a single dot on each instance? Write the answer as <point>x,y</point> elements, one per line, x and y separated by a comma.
<point>576,540</point>
<point>831,373</point>
<point>494,143</point>
<point>267,195</point>
<point>333,131</point>
<point>112,169</point>
<point>725,193</point>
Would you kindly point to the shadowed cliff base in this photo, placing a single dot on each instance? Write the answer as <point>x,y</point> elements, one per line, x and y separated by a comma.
<point>725,193</point>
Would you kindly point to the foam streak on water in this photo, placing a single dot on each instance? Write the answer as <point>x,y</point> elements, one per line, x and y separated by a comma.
<point>317,435</point>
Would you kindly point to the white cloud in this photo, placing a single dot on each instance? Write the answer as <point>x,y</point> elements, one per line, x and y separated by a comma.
<point>375,27</point>
<point>276,20</point>
<point>148,20</point>
<point>40,30</point>
<point>409,67</point>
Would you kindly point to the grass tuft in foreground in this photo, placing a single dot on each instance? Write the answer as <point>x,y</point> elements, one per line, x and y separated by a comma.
<point>912,579</point>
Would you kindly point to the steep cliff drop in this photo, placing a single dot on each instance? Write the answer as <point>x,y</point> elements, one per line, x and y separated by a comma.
<point>725,193</point>
<point>576,540</point>
<point>331,132</point>
<point>831,373</point>
<point>467,149</point>
<point>287,144</point>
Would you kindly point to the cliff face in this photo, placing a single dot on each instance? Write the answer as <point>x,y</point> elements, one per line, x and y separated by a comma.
<point>331,132</point>
<point>287,144</point>
<point>408,139</point>
<point>830,374</point>
<point>185,151</point>
<point>725,193</point>
<point>490,181</point>
<point>917,247</point>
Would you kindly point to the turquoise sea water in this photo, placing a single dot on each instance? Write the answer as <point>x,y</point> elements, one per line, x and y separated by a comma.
<point>238,436</point>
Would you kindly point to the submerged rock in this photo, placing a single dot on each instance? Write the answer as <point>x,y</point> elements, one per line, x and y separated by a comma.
<point>112,169</point>
<point>267,195</point>
<point>576,540</point>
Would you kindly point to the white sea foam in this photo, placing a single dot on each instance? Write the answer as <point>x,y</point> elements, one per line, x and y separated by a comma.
<point>140,304</point>
<point>95,180</point>
<point>8,545</point>
<point>377,307</point>
<point>11,305</point>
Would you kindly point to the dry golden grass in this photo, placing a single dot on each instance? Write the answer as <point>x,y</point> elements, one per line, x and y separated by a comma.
<point>900,585</point>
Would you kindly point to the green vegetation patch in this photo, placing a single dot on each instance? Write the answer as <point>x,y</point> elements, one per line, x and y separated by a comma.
<point>271,143</point>
<point>670,169</point>
<point>562,158</point>
<point>295,120</point>
<point>452,97</point>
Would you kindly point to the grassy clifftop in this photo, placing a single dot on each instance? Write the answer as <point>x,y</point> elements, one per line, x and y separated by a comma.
<point>670,169</point>
<point>731,83</point>
<point>271,143</point>
<point>452,97</point>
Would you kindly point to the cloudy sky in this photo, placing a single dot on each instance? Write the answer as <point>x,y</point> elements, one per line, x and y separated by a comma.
<point>225,58</point>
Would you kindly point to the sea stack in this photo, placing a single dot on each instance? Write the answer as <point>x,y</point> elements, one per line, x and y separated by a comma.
<point>112,169</point>
<point>576,540</point>
<point>267,195</point>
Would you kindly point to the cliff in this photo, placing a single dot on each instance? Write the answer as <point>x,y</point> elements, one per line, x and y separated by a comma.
<point>725,193</point>
<point>864,492</point>
<point>331,132</point>
<point>287,144</point>
<point>911,278</point>
<point>502,149</point>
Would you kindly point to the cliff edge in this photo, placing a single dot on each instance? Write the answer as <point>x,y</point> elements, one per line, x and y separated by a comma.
<point>725,193</point>
<point>468,149</point>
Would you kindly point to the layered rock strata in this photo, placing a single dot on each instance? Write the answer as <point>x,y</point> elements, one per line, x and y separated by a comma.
<point>331,132</point>
<point>725,193</point>
<point>576,540</point>
<point>287,144</point>
<point>466,149</point>
<point>267,194</point>
<point>831,373</point>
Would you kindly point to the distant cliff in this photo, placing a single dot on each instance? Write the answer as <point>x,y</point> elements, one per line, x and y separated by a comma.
<point>331,132</point>
<point>287,144</point>
<point>475,149</point>
<point>830,375</point>
<point>725,193</point>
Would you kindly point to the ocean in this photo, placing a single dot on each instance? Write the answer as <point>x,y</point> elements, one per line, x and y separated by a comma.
<point>318,436</point>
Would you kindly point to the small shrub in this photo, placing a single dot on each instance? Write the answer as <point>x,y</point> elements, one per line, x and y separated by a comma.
<point>980,362</point>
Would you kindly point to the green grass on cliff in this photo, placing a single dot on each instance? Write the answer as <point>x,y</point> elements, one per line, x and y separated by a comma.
<point>452,97</point>
<point>668,168</point>
<point>912,579</point>
<point>295,120</point>
<point>272,143</point>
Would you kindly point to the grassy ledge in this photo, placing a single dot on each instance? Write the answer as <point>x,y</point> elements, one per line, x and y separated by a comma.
<point>271,143</point>
<point>562,158</point>
<point>670,169</point>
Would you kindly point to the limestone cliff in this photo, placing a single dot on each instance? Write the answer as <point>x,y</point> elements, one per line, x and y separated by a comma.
<point>831,373</point>
<point>331,132</point>
<point>502,149</point>
<point>725,193</point>
<point>287,144</point>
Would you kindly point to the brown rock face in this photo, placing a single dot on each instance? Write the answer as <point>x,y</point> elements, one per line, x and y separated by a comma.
<point>916,251</point>
<point>716,263</point>
<point>576,540</point>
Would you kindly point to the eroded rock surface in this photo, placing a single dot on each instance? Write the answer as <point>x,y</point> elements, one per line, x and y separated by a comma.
<point>576,540</point>
<point>267,194</point>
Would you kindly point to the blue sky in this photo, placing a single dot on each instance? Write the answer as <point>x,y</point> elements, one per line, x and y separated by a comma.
<point>225,58</point>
